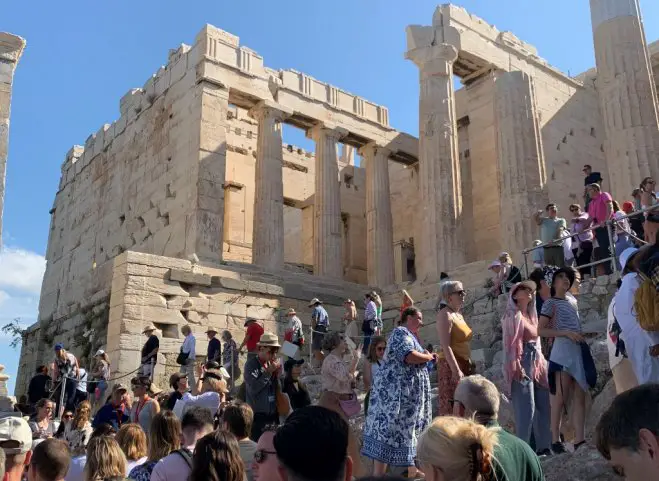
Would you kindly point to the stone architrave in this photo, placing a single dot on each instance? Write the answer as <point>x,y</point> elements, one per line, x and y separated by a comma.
<point>522,169</point>
<point>11,49</point>
<point>268,230</point>
<point>627,93</point>
<point>439,238</point>
<point>379,223</point>
<point>328,260</point>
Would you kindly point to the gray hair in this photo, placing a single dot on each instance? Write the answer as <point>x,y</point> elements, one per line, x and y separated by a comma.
<point>447,288</point>
<point>331,340</point>
<point>480,397</point>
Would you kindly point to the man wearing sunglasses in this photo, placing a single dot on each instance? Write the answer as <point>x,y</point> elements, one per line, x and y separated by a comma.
<point>261,376</point>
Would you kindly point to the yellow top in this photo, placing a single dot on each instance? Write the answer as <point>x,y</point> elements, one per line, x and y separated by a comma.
<point>461,335</point>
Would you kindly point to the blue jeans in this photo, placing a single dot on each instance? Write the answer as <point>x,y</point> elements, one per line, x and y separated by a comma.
<point>531,405</point>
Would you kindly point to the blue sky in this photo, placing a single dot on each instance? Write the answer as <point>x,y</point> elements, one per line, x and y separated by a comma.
<point>81,57</point>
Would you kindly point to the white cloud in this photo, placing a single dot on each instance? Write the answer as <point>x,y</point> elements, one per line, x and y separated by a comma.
<point>21,270</point>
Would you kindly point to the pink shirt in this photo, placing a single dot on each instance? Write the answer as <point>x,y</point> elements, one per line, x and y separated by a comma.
<point>171,468</point>
<point>597,209</point>
<point>335,375</point>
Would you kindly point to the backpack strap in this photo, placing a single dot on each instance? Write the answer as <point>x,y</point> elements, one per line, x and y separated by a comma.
<point>186,455</point>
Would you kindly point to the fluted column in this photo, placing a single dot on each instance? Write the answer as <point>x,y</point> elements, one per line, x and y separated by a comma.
<point>521,160</point>
<point>11,48</point>
<point>268,229</point>
<point>379,223</point>
<point>627,93</point>
<point>439,237</point>
<point>328,260</point>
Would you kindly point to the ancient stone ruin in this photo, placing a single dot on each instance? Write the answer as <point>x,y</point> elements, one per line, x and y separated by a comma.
<point>191,208</point>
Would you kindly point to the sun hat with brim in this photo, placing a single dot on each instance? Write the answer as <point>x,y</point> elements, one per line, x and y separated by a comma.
<point>494,264</point>
<point>314,301</point>
<point>268,339</point>
<point>149,327</point>
<point>528,284</point>
<point>248,320</point>
<point>210,329</point>
<point>626,256</point>
<point>15,435</point>
<point>291,312</point>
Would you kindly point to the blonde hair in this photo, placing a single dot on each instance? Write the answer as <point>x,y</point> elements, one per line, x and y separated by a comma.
<point>376,298</point>
<point>105,459</point>
<point>132,441</point>
<point>82,415</point>
<point>506,259</point>
<point>215,381</point>
<point>462,449</point>
<point>164,436</point>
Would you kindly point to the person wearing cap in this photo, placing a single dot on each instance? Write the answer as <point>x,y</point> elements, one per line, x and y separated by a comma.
<point>552,227</point>
<point>115,412</point>
<point>525,368</point>
<point>319,326</point>
<point>144,408</point>
<point>293,387</point>
<point>294,333</point>
<point>214,352</point>
<point>65,366</point>
<point>179,383</point>
<point>16,442</point>
<point>100,376</point>
<point>253,333</point>
<point>149,351</point>
<point>637,340</point>
<point>261,377</point>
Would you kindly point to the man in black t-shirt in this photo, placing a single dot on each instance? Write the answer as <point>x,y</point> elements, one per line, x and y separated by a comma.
<point>149,351</point>
<point>591,178</point>
<point>39,387</point>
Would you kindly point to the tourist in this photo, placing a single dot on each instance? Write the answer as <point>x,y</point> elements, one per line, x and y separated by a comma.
<point>81,387</point>
<point>115,412</point>
<point>551,229</point>
<point>590,178</point>
<point>454,359</point>
<point>39,387</point>
<point>372,366</point>
<point>378,313</point>
<point>253,333</point>
<point>261,376</point>
<point>187,356</point>
<point>105,460</point>
<point>621,233</point>
<point>179,384</point>
<point>230,358</point>
<point>399,408</point>
<point>648,197</point>
<point>214,352</point>
<point>566,367</point>
<point>369,322</point>
<point>637,341</point>
<point>16,443</point>
<point>265,466</point>
<point>313,445</point>
<point>319,326</point>
<point>582,248</point>
<point>506,274</point>
<point>49,462</point>
<point>149,354</point>
<point>350,322</point>
<point>42,423</point>
<point>100,375</point>
<point>496,268</point>
<point>144,408</point>
<point>65,421</point>
<point>478,399</point>
<point>600,210</point>
<point>79,430</point>
<point>338,382</point>
<point>458,449</point>
<point>238,419</point>
<point>132,441</point>
<point>65,367</point>
<point>164,437</point>
<point>627,434</point>
<point>212,389</point>
<point>621,367</point>
<point>292,386</point>
<point>294,333</point>
<point>195,424</point>
<point>538,255</point>
<point>217,458</point>
<point>525,368</point>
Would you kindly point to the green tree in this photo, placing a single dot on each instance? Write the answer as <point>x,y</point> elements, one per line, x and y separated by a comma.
<point>16,331</point>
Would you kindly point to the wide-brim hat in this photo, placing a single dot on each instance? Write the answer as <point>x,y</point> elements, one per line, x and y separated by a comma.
<point>149,327</point>
<point>314,301</point>
<point>494,264</point>
<point>268,339</point>
<point>528,284</point>
<point>248,320</point>
<point>291,312</point>
<point>626,256</point>
<point>211,329</point>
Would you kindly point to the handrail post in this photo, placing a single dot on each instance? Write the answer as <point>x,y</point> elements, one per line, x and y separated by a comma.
<point>612,246</point>
<point>526,264</point>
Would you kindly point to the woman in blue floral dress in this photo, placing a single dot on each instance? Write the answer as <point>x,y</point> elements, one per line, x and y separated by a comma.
<point>399,408</point>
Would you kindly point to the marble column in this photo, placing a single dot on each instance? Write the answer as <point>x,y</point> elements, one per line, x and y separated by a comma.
<point>268,230</point>
<point>439,238</point>
<point>11,48</point>
<point>627,93</point>
<point>328,259</point>
<point>521,160</point>
<point>379,223</point>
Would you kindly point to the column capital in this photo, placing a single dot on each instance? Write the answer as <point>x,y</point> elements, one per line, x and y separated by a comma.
<point>373,149</point>
<point>11,47</point>
<point>434,59</point>
<point>328,129</point>
<point>268,108</point>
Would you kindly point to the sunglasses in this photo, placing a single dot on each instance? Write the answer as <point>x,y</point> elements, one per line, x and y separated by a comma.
<point>260,455</point>
<point>67,416</point>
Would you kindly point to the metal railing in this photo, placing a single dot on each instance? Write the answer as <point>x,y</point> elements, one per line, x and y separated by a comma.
<point>610,226</point>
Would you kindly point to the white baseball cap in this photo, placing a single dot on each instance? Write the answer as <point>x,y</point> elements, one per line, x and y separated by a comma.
<point>15,435</point>
<point>100,352</point>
